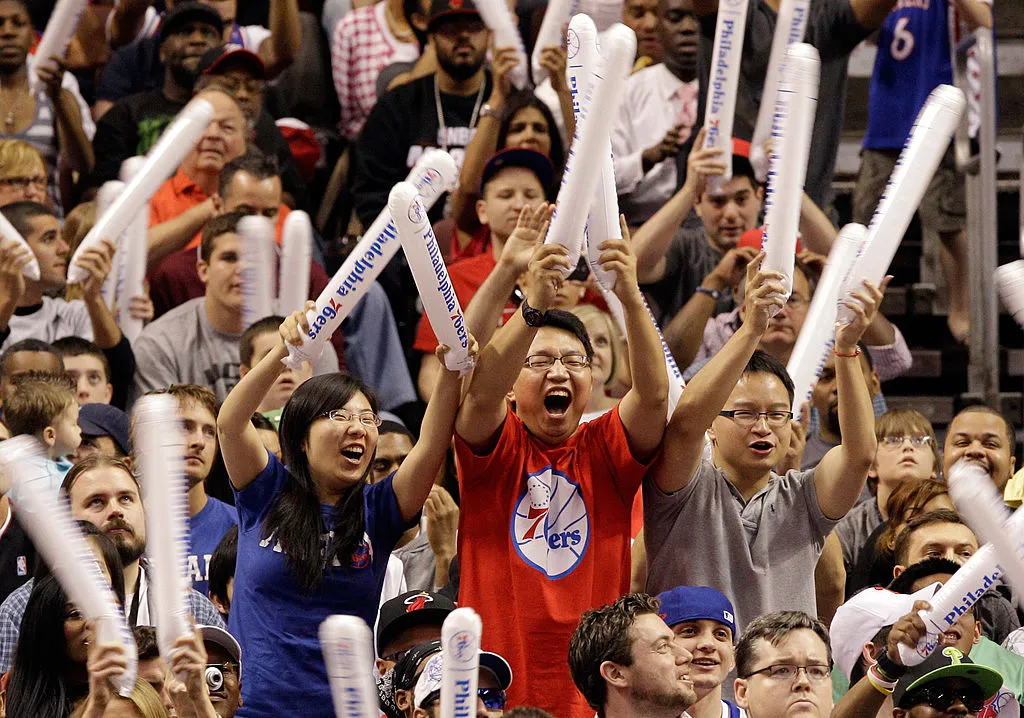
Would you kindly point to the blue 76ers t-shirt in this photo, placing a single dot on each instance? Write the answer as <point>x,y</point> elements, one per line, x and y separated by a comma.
<point>276,622</point>
<point>205,530</point>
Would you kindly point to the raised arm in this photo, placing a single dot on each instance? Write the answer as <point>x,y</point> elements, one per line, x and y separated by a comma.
<point>71,136</point>
<point>97,262</point>
<point>643,408</point>
<point>282,47</point>
<point>126,21</point>
<point>708,391</point>
<point>416,475</point>
<point>244,454</point>
<point>483,411</point>
<point>652,240</point>
<point>839,478</point>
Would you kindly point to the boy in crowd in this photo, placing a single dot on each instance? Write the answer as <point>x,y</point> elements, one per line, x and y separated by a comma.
<point>257,341</point>
<point>48,411</point>
<point>88,368</point>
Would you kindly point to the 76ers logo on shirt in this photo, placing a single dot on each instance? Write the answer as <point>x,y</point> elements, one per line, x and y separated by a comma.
<point>550,525</point>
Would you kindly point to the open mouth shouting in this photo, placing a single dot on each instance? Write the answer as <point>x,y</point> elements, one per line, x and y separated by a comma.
<point>557,401</point>
<point>761,447</point>
<point>353,453</point>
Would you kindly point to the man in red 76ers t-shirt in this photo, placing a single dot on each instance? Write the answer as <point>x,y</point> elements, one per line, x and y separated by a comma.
<point>544,526</point>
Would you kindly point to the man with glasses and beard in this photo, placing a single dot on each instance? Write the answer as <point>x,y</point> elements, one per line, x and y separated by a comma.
<point>104,492</point>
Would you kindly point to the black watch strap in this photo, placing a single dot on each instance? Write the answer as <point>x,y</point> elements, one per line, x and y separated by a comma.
<point>533,317</point>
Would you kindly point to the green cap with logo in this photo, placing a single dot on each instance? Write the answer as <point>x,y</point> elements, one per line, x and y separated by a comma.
<point>944,663</point>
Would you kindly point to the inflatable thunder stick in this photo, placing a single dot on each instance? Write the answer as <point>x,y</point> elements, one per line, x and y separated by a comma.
<point>31,269</point>
<point>1010,282</point>
<point>591,141</point>
<point>981,504</point>
<point>348,654</point>
<point>435,172</point>
<point>60,28</point>
<point>106,197</point>
<point>161,443</point>
<point>794,122</point>
<point>256,241</point>
<point>789,28</point>
<point>498,19</point>
<point>134,249</point>
<point>440,304</point>
<point>550,34</point>
<point>63,546</point>
<point>296,254</point>
<point>927,143</point>
<point>724,82</point>
<point>460,652</point>
<point>162,161</point>
<point>818,334</point>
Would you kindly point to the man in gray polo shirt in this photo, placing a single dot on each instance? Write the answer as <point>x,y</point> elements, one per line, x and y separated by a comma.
<point>728,521</point>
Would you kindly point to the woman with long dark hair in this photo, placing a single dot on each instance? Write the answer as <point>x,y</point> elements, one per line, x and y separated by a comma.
<point>314,535</point>
<point>49,670</point>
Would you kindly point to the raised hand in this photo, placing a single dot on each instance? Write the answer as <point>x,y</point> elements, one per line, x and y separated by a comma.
<point>617,257</point>
<point>864,305</point>
<point>13,257</point>
<point>908,630</point>
<point>96,261</point>
<point>548,268</point>
<point>296,325</point>
<point>442,520</point>
<point>703,163</point>
<point>553,59</point>
<point>531,228</point>
<point>504,60</point>
<point>763,292</point>
<point>52,76</point>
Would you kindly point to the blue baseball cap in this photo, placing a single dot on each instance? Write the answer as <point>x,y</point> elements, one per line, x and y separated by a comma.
<point>692,603</point>
<point>106,420</point>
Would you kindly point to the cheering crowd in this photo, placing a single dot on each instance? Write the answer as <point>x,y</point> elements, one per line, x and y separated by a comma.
<point>737,550</point>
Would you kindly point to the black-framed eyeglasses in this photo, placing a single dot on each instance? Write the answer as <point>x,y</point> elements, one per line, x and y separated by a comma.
<point>782,672</point>
<point>749,417</point>
<point>572,362</point>
<point>396,656</point>
<point>23,183</point>
<point>494,699</point>
<point>942,698</point>
<point>366,418</point>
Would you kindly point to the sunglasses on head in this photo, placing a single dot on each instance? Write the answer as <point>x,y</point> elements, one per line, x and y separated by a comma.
<point>942,698</point>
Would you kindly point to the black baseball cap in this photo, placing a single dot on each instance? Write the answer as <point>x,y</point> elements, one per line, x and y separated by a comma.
<point>222,58</point>
<point>105,420</point>
<point>945,663</point>
<point>413,608</point>
<point>189,12</point>
<point>440,9</point>
<point>532,160</point>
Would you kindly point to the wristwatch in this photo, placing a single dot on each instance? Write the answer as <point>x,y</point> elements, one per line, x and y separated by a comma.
<point>488,111</point>
<point>713,293</point>
<point>533,317</point>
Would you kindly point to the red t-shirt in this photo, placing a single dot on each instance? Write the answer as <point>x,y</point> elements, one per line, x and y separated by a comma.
<point>544,534</point>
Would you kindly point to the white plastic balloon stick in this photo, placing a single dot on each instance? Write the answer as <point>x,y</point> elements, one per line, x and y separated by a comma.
<point>1010,282</point>
<point>434,174</point>
<point>440,304</point>
<point>31,269</point>
<point>105,198</point>
<point>789,28</point>
<point>955,598</point>
<point>348,654</point>
<point>730,27</point>
<point>550,34</point>
<point>591,142</point>
<point>460,652</point>
<point>63,546</point>
<point>296,255</point>
<point>981,504</point>
<point>134,250</point>
<point>498,18</point>
<point>927,143</point>
<point>161,442</point>
<point>794,122</point>
<point>162,161</point>
<point>256,241</point>
<point>60,28</point>
<point>818,334</point>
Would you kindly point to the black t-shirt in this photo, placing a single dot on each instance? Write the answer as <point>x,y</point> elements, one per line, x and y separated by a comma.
<point>134,68</point>
<point>17,558</point>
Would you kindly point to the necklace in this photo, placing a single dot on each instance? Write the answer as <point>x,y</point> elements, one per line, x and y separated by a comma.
<point>442,127</point>
<point>9,117</point>
<point>393,26</point>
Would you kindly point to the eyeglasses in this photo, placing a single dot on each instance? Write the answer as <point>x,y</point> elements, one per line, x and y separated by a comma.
<point>941,698</point>
<point>494,698</point>
<point>366,418</point>
<point>896,442</point>
<point>816,672</point>
<point>749,417</point>
<point>572,362</point>
<point>23,183</point>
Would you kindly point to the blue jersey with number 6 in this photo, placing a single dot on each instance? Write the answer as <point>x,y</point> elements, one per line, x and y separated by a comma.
<point>912,60</point>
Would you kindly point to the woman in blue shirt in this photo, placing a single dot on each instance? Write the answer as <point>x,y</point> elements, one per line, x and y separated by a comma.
<point>314,538</point>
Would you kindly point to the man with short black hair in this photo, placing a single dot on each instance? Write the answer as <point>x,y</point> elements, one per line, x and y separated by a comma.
<point>89,368</point>
<point>22,357</point>
<point>981,434</point>
<point>627,663</point>
<point>223,670</point>
<point>782,658</point>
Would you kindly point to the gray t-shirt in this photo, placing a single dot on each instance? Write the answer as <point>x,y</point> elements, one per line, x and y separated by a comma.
<point>854,529</point>
<point>418,563</point>
<point>760,553</point>
<point>182,347</point>
<point>833,30</point>
<point>689,258</point>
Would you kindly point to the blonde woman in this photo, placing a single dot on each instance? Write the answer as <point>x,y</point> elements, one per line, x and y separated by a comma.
<point>610,365</point>
<point>22,173</point>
